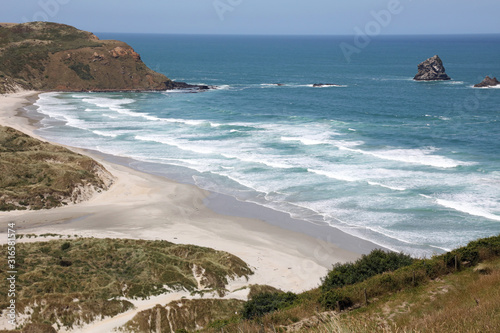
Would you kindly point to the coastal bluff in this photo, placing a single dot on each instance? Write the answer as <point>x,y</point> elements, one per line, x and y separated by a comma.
<point>48,56</point>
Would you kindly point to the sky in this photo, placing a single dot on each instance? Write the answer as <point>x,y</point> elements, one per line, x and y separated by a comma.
<point>294,17</point>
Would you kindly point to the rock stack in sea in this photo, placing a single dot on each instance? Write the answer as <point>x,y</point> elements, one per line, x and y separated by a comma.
<point>487,82</point>
<point>431,70</point>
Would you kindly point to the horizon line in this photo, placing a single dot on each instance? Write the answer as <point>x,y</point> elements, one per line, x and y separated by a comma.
<point>296,35</point>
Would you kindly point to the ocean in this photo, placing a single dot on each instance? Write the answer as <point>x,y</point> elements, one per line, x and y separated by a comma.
<point>410,166</point>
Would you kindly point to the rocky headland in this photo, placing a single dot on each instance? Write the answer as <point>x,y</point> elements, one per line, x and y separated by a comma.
<point>431,69</point>
<point>487,82</point>
<point>47,56</point>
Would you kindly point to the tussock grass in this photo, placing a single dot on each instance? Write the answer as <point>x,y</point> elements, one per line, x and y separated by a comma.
<point>432,295</point>
<point>185,315</point>
<point>74,281</point>
<point>463,302</point>
<point>37,175</point>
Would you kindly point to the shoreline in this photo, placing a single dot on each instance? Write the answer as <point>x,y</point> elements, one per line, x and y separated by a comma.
<point>142,205</point>
<point>146,206</point>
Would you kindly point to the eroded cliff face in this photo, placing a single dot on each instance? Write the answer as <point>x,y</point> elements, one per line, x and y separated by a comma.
<point>55,57</point>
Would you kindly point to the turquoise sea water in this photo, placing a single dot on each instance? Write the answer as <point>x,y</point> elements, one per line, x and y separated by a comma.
<point>412,166</point>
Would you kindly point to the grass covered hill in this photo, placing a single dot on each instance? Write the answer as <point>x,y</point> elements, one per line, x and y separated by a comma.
<point>70,282</point>
<point>37,175</point>
<point>56,57</point>
<point>458,291</point>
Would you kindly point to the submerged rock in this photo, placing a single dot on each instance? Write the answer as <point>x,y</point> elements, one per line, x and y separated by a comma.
<point>487,82</point>
<point>430,70</point>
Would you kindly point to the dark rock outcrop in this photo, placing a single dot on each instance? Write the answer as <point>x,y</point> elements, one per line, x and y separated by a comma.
<point>48,56</point>
<point>431,70</point>
<point>173,85</point>
<point>488,82</point>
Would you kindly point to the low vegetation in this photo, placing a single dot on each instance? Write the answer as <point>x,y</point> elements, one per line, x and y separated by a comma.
<point>185,315</point>
<point>25,49</point>
<point>71,282</point>
<point>377,262</point>
<point>454,292</point>
<point>37,175</point>
<point>264,303</point>
<point>466,301</point>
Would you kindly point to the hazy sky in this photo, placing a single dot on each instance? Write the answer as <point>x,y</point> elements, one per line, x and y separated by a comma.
<point>263,16</point>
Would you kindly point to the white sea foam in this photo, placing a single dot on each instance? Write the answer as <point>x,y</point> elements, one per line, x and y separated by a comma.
<point>268,85</point>
<point>190,122</point>
<point>395,188</point>
<point>58,109</point>
<point>175,143</point>
<point>333,175</point>
<point>344,177</point>
<point>465,207</point>
<point>345,143</point>
<point>415,156</point>
<point>102,133</point>
<point>117,105</point>
<point>259,160</point>
<point>304,141</point>
<point>223,87</point>
<point>108,103</point>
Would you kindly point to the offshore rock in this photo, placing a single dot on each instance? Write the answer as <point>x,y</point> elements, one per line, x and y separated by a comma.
<point>431,70</point>
<point>174,85</point>
<point>488,82</point>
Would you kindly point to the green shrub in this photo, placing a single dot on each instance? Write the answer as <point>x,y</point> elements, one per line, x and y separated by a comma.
<point>376,262</point>
<point>267,302</point>
<point>83,71</point>
<point>335,298</point>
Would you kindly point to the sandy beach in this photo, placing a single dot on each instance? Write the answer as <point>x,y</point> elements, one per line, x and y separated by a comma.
<point>144,206</point>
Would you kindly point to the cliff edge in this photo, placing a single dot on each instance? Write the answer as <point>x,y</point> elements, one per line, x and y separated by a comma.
<point>48,56</point>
